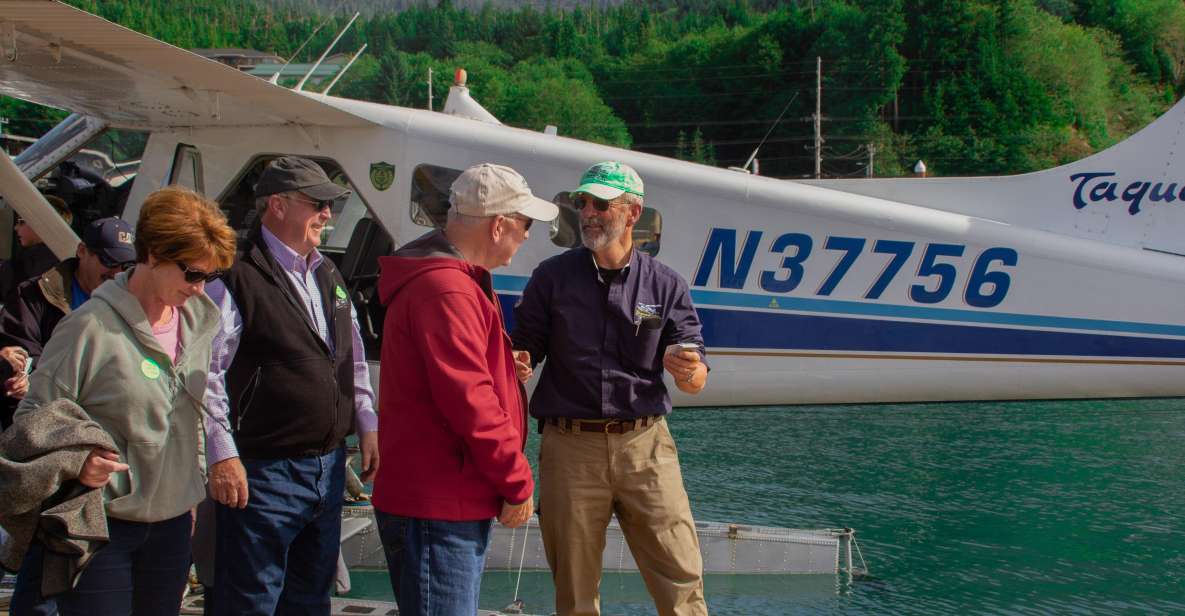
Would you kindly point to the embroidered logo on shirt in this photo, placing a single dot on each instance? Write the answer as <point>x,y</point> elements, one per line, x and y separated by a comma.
<point>150,369</point>
<point>646,311</point>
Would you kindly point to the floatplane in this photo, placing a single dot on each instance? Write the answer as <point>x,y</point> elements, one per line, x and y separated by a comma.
<point>1065,283</point>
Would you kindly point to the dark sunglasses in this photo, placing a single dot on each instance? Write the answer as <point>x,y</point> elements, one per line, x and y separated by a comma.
<point>581,200</point>
<point>122,266</point>
<point>193,276</point>
<point>317,205</point>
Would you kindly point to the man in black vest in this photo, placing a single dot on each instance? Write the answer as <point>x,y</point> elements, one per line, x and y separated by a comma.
<point>288,381</point>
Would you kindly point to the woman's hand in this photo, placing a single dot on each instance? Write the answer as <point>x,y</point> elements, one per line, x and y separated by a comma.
<point>99,465</point>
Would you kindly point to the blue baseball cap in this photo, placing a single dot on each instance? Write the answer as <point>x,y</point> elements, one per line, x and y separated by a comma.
<point>112,240</point>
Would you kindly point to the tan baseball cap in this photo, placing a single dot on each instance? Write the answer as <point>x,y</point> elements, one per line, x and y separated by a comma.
<point>491,190</point>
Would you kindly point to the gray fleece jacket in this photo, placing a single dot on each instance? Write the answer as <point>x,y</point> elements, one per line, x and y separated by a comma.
<point>104,357</point>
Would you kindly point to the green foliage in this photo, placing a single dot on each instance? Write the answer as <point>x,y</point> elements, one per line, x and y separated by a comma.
<point>970,86</point>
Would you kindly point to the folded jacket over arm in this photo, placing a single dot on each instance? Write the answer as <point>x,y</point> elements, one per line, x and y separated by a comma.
<point>40,457</point>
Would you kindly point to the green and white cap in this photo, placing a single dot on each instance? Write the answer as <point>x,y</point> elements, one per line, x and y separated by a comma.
<point>609,180</point>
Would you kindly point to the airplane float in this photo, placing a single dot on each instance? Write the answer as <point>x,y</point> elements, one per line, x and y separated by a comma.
<point>1065,283</point>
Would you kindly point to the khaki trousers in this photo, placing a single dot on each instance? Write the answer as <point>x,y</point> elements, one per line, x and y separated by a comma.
<point>586,477</point>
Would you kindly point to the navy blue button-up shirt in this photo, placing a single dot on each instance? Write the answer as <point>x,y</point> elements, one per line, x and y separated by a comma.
<point>603,351</point>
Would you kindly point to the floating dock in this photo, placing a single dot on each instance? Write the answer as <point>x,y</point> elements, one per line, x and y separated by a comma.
<point>726,548</point>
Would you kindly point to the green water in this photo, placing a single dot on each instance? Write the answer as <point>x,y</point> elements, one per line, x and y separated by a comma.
<point>1017,508</point>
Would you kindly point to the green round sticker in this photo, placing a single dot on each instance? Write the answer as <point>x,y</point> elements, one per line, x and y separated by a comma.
<point>341,293</point>
<point>150,368</point>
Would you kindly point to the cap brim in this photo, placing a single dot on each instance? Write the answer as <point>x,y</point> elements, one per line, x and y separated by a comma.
<point>115,255</point>
<point>600,191</point>
<point>326,192</point>
<point>538,209</point>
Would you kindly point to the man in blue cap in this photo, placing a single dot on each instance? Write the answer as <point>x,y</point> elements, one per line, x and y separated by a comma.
<point>106,249</point>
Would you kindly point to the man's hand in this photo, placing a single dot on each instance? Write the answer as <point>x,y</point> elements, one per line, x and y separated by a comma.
<point>228,483</point>
<point>16,357</point>
<point>522,365</point>
<point>99,465</point>
<point>514,516</point>
<point>368,443</point>
<point>689,372</point>
<point>17,386</point>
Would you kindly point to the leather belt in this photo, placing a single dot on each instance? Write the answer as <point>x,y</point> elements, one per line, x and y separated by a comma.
<point>603,426</point>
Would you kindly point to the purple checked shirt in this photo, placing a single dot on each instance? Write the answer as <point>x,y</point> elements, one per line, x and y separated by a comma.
<point>220,444</point>
<point>603,343</point>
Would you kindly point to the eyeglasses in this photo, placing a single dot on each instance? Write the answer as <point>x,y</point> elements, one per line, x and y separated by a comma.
<point>193,276</point>
<point>18,221</point>
<point>526,221</point>
<point>583,199</point>
<point>122,266</point>
<point>319,205</point>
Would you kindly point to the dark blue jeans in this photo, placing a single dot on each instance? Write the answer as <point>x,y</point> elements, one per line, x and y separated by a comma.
<point>141,571</point>
<point>279,555</point>
<point>26,597</point>
<point>435,565</point>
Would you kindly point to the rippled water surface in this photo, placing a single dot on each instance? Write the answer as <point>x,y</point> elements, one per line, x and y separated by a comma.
<point>1019,507</point>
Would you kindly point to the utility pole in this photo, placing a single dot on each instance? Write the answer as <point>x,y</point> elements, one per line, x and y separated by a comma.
<point>818,117</point>
<point>429,88</point>
<point>871,158</point>
<point>3,121</point>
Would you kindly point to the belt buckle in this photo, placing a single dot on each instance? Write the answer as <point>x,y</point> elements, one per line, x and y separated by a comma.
<point>614,422</point>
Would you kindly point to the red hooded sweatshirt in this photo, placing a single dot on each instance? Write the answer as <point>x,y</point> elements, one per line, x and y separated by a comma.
<point>452,415</point>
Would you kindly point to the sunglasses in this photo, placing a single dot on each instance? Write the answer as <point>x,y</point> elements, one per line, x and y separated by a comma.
<point>193,276</point>
<point>122,266</point>
<point>320,206</point>
<point>580,201</point>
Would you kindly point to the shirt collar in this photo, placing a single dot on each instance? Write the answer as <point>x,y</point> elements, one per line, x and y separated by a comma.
<point>286,257</point>
<point>597,268</point>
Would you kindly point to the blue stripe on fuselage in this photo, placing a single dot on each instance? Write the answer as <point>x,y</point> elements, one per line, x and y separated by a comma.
<point>949,330</point>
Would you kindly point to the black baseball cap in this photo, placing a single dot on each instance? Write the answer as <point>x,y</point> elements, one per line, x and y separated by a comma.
<point>112,240</point>
<point>288,173</point>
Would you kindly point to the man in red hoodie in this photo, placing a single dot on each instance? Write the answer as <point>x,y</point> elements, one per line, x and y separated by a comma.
<point>452,413</point>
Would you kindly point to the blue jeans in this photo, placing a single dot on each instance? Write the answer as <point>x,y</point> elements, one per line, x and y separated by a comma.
<point>26,597</point>
<point>141,571</point>
<point>435,565</point>
<point>279,554</point>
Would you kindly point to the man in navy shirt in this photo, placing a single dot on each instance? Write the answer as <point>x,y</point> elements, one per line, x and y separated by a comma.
<point>608,319</point>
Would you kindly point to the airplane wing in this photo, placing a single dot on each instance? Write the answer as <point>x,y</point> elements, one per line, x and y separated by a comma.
<point>60,56</point>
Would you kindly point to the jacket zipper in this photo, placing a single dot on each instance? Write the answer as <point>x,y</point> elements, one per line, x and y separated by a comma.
<point>249,393</point>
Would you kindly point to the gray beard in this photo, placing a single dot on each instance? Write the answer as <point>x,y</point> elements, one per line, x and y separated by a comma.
<point>608,234</point>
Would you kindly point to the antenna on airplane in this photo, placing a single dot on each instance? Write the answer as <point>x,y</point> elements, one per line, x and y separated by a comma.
<point>326,52</point>
<point>344,69</point>
<point>275,78</point>
<point>768,133</point>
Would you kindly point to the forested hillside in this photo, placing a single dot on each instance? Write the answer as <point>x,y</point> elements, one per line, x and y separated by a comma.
<point>970,86</point>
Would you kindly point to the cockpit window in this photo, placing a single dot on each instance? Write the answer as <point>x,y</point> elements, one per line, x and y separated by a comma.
<point>429,195</point>
<point>187,168</point>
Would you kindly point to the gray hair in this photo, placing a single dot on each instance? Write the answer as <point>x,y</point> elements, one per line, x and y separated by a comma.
<point>630,199</point>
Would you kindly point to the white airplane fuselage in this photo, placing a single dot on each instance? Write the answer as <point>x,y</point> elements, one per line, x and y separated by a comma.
<point>1065,283</point>
<point>807,294</point>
